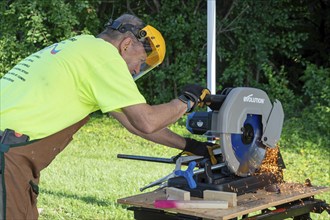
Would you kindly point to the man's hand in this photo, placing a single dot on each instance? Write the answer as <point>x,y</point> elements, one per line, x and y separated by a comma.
<point>193,95</point>
<point>204,149</point>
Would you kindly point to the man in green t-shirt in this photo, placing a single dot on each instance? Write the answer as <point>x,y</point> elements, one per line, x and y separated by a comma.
<point>48,96</point>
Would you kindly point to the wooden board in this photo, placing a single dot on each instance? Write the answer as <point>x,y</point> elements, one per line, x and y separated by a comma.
<point>246,203</point>
<point>230,197</point>
<point>177,194</point>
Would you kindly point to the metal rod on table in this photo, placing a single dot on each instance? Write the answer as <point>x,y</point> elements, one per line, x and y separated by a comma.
<point>213,167</point>
<point>145,158</point>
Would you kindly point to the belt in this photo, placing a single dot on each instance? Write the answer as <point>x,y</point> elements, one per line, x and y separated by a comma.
<point>10,137</point>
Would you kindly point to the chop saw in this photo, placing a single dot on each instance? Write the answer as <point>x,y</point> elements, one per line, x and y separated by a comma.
<point>246,125</point>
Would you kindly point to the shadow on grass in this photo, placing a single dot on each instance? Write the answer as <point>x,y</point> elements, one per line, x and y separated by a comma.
<point>87,199</point>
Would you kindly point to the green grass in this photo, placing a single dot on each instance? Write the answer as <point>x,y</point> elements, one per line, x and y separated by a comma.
<point>86,179</point>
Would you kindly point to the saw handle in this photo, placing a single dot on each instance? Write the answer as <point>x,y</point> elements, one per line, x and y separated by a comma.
<point>214,102</point>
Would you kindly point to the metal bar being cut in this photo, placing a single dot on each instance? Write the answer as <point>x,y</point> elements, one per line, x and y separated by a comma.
<point>145,158</point>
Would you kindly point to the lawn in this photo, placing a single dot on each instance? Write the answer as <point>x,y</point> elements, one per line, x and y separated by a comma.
<point>86,179</point>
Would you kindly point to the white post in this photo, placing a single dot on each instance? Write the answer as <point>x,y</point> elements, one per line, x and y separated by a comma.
<point>211,45</point>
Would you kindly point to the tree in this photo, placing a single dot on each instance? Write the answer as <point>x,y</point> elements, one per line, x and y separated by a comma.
<point>259,44</point>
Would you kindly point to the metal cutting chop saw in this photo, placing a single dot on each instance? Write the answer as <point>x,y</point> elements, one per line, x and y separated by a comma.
<point>246,123</point>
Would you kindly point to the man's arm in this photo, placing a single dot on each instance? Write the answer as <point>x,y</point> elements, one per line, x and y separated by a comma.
<point>149,119</point>
<point>168,138</point>
<point>164,136</point>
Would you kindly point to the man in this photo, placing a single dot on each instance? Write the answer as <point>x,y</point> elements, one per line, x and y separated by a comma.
<point>48,96</point>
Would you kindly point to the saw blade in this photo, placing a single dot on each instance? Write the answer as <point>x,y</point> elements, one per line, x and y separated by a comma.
<point>244,152</point>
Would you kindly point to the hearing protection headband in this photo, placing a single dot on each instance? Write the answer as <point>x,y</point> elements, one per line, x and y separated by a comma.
<point>152,40</point>
<point>138,32</point>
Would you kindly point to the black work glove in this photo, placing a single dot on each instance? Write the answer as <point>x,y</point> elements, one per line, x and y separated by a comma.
<point>199,148</point>
<point>194,93</point>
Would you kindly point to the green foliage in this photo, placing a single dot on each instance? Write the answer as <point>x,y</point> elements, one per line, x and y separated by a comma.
<point>184,28</point>
<point>277,86</point>
<point>299,133</point>
<point>252,34</point>
<point>316,114</point>
<point>278,46</point>
<point>311,127</point>
<point>28,26</point>
<point>316,85</point>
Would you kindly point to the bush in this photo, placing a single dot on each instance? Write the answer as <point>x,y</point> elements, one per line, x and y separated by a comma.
<point>311,127</point>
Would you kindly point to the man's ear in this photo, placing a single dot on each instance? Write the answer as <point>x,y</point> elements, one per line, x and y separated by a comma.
<point>125,44</point>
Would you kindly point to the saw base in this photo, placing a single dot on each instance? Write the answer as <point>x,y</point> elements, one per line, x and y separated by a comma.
<point>239,185</point>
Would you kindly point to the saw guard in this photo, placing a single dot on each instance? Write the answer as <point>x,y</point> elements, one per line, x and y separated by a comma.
<point>273,130</point>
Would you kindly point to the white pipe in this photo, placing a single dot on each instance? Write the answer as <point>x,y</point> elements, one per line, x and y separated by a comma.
<point>211,45</point>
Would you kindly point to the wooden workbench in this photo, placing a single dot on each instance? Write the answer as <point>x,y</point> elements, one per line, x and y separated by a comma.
<point>247,203</point>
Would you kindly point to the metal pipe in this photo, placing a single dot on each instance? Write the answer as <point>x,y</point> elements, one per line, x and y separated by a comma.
<point>213,167</point>
<point>144,158</point>
<point>211,45</point>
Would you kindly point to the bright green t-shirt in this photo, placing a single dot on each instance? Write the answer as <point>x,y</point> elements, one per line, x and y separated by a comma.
<point>63,83</point>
